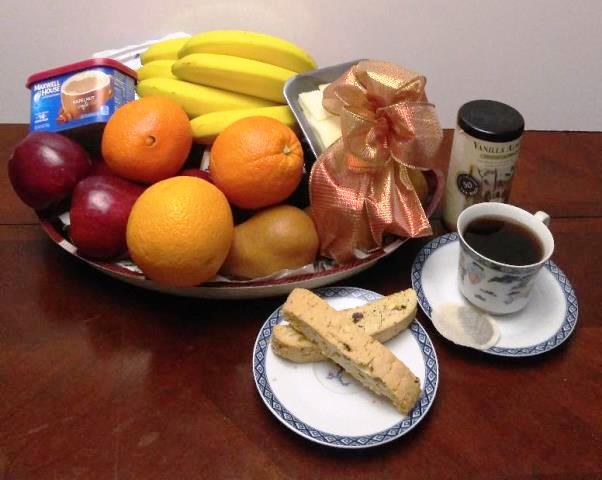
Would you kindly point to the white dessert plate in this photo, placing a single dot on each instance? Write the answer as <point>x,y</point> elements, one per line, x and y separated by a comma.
<point>547,321</point>
<point>320,402</point>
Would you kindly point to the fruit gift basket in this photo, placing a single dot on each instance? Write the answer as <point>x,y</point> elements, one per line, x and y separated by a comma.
<point>267,198</point>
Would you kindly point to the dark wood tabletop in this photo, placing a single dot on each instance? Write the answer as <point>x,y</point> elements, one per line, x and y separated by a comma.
<point>101,380</point>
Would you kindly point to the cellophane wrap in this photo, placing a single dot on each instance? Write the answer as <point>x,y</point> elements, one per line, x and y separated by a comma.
<point>359,187</point>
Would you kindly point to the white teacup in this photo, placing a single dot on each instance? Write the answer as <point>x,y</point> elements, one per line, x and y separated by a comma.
<point>492,286</point>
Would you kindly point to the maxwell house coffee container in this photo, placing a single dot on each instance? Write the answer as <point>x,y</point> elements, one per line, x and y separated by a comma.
<point>79,94</point>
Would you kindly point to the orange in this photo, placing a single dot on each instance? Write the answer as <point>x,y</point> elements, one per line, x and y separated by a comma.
<point>256,162</point>
<point>147,140</point>
<point>179,231</point>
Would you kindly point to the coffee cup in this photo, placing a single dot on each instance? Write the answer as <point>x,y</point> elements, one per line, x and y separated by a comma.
<point>502,249</point>
<point>86,92</point>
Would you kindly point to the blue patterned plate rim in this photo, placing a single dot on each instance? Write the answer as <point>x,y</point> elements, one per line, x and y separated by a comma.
<point>423,405</point>
<point>564,331</point>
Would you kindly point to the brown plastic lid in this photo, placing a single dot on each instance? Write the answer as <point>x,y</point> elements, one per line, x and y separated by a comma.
<point>78,66</point>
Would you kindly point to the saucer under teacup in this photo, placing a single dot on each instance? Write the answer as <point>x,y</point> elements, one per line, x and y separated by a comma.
<point>548,319</point>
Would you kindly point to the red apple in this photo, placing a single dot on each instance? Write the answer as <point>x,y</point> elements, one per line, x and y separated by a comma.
<point>99,167</point>
<point>100,208</point>
<point>45,167</point>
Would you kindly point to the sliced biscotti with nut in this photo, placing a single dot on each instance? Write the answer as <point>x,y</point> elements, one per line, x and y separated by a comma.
<point>382,319</point>
<point>290,344</point>
<point>363,357</point>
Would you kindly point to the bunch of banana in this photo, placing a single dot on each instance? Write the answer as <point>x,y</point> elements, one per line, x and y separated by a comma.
<point>255,46</point>
<point>165,50</point>
<point>235,74</point>
<point>156,69</point>
<point>198,99</point>
<point>222,76</point>
<point>207,127</point>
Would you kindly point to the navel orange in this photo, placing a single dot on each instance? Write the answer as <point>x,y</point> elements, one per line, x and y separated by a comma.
<point>180,231</point>
<point>147,140</point>
<point>256,162</point>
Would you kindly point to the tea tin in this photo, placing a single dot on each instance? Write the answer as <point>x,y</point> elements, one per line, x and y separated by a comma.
<point>484,152</point>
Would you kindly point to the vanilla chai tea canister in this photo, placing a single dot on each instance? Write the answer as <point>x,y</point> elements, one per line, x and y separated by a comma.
<point>483,156</point>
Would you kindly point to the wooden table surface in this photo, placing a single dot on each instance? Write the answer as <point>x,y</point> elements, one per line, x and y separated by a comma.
<point>100,380</point>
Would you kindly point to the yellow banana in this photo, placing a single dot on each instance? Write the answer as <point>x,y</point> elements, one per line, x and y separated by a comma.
<point>197,99</point>
<point>207,127</point>
<point>165,50</point>
<point>235,74</point>
<point>157,68</point>
<point>251,45</point>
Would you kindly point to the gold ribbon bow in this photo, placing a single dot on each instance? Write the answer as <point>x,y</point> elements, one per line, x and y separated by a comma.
<point>359,187</point>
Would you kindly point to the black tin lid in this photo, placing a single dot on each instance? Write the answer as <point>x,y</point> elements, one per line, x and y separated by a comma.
<point>491,121</point>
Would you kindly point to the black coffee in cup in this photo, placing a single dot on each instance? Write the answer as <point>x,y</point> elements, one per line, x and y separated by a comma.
<point>503,241</point>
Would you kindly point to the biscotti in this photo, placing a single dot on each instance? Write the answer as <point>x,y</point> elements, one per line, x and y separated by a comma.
<point>363,357</point>
<point>382,319</point>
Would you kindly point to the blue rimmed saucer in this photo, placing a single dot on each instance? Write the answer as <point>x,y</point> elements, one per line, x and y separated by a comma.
<point>320,402</point>
<point>547,321</point>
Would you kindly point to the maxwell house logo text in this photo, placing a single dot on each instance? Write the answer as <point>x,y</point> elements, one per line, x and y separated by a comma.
<point>46,88</point>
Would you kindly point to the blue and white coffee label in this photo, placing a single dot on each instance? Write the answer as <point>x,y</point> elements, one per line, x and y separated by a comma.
<point>76,99</point>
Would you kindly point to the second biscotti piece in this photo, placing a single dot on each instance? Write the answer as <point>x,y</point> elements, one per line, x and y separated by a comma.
<point>364,358</point>
<point>382,319</point>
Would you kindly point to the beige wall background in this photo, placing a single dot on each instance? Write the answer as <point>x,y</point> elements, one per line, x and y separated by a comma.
<point>542,57</point>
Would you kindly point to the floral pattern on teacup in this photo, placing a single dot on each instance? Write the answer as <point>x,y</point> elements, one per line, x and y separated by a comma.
<point>475,274</point>
<point>472,270</point>
<point>519,286</point>
<point>493,287</point>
